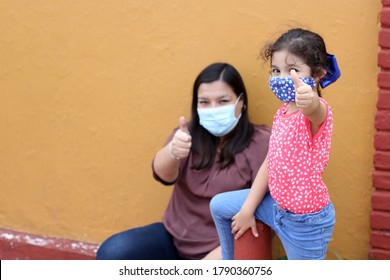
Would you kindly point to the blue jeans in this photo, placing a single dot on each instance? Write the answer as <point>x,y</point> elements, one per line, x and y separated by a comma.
<point>304,236</point>
<point>152,242</point>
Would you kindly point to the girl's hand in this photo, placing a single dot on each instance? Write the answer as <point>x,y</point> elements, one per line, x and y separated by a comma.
<point>306,99</point>
<point>181,143</point>
<point>241,222</point>
<point>308,102</point>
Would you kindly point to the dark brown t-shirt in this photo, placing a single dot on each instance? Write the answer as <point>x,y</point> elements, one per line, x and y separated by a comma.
<point>188,216</point>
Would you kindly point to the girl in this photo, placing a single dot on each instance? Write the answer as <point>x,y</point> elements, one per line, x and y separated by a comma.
<point>296,205</point>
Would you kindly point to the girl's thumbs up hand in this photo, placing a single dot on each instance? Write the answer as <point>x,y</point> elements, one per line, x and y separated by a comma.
<point>305,97</point>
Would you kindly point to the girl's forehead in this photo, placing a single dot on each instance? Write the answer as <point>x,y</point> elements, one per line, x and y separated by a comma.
<point>284,57</point>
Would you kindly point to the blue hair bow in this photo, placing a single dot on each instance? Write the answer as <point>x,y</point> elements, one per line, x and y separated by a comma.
<point>332,72</point>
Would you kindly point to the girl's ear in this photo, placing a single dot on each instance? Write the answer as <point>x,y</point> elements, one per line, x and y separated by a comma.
<point>323,73</point>
<point>320,75</point>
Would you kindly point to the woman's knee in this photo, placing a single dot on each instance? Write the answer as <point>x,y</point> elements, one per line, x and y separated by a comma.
<point>134,244</point>
<point>115,247</point>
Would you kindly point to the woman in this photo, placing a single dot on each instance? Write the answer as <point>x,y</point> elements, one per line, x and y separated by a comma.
<point>219,150</point>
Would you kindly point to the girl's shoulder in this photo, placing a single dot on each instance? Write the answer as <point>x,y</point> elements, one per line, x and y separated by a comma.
<point>329,113</point>
<point>325,102</point>
<point>282,109</point>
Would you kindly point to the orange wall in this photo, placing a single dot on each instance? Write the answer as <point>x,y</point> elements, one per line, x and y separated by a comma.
<point>90,91</point>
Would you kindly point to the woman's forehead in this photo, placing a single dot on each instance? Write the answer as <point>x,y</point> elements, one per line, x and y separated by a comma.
<point>215,89</point>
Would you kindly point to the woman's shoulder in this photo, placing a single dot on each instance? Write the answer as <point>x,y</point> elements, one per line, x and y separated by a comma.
<point>258,146</point>
<point>261,132</point>
<point>261,129</point>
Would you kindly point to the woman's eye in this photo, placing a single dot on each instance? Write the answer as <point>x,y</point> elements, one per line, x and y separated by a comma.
<point>202,102</point>
<point>224,101</point>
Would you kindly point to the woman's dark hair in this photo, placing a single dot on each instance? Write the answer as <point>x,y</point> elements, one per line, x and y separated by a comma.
<point>307,45</point>
<point>204,144</point>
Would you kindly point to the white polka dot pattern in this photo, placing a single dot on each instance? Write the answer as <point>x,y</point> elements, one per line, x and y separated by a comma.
<point>284,87</point>
<point>296,161</point>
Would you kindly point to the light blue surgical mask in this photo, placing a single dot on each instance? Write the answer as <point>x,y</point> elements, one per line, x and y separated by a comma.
<point>284,89</point>
<point>219,121</point>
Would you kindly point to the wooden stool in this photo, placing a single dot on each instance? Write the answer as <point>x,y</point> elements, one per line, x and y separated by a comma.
<point>249,247</point>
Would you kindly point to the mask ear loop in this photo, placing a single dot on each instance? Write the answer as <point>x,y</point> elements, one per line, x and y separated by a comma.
<point>238,99</point>
<point>332,71</point>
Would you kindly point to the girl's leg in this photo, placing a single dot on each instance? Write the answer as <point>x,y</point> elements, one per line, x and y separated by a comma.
<point>265,211</point>
<point>152,242</point>
<point>305,236</point>
<point>223,207</point>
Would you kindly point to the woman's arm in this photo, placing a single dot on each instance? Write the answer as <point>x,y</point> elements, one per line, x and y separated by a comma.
<point>167,160</point>
<point>165,166</point>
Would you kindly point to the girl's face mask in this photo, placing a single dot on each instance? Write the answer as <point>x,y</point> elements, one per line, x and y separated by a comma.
<point>219,121</point>
<point>284,89</point>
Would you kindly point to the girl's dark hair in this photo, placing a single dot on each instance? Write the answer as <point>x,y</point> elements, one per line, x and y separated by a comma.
<point>307,45</point>
<point>204,144</point>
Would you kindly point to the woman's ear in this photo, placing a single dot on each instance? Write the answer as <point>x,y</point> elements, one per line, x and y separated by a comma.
<point>242,101</point>
<point>241,106</point>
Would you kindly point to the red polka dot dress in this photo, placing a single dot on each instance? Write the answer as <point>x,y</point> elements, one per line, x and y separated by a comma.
<point>296,161</point>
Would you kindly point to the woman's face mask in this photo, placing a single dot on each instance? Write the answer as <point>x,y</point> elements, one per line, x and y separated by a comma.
<point>284,89</point>
<point>219,121</point>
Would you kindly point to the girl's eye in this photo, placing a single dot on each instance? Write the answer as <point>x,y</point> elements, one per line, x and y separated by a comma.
<point>296,70</point>
<point>274,72</point>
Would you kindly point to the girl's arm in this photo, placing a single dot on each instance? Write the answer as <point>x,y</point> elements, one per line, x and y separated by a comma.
<point>245,219</point>
<point>308,102</point>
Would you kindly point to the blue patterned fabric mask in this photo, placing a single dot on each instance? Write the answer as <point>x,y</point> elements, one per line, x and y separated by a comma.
<point>219,121</point>
<point>284,89</point>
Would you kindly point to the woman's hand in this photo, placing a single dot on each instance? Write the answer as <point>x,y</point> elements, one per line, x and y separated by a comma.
<point>181,143</point>
<point>243,221</point>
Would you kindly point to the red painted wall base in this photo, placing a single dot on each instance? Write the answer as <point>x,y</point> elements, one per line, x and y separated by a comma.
<point>22,246</point>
